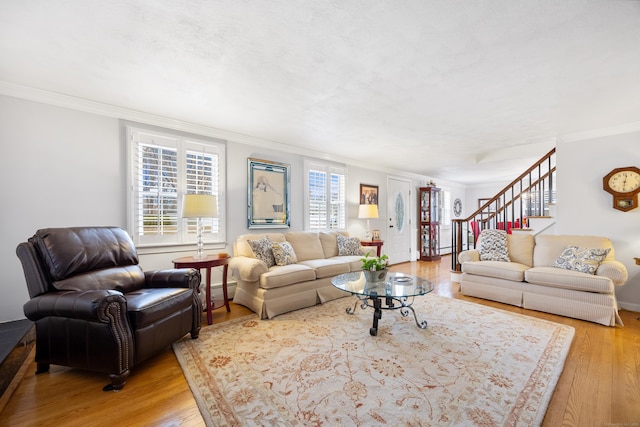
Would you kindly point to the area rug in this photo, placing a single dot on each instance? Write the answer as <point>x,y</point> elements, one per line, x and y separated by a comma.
<point>472,366</point>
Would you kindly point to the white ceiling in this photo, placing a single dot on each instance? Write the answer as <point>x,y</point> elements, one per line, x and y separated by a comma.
<point>451,89</point>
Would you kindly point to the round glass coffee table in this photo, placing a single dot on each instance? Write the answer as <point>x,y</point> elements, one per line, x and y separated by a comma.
<point>397,291</point>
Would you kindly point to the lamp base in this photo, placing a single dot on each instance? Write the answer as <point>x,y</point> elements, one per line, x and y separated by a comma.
<point>200,257</point>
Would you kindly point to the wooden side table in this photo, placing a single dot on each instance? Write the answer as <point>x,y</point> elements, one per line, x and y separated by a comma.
<point>377,243</point>
<point>207,263</point>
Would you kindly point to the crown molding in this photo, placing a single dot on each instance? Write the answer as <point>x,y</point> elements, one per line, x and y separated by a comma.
<point>98,108</point>
<point>599,133</point>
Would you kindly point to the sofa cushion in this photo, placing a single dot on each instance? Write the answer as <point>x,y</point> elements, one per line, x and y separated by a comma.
<point>279,276</point>
<point>263,250</point>
<point>327,267</point>
<point>568,279</point>
<point>306,245</point>
<point>354,261</point>
<point>348,246</point>
<point>329,242</point>
<point>520,248</point>
<point>499,269</point>
<point>146,306</point>
<point>577,258</point>
<point>548,247</point>
<point>241,246</point>
<point>283,253</point>
<point>493,246</point>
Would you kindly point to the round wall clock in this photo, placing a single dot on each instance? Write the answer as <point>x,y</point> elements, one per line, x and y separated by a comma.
<point>457,207</point>
<point>624,185</point>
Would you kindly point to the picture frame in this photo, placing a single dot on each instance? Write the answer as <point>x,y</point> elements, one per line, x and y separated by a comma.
<point>368,194</point>
<point>268,194</point>
<point>375,235</point>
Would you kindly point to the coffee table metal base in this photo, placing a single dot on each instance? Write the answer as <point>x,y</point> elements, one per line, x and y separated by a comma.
<point>404,307</point>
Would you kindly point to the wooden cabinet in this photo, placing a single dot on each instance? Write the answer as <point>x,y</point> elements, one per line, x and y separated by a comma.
<point>429,212</point>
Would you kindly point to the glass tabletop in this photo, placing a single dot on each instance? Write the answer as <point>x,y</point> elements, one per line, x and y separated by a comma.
<point>395,285</point>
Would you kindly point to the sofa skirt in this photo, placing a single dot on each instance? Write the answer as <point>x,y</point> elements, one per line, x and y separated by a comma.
<point>601,308</point>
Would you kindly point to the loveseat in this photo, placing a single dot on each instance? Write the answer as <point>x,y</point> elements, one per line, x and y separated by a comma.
<point>572,276</point>
<point>304,277</point>
<point>93,306</point>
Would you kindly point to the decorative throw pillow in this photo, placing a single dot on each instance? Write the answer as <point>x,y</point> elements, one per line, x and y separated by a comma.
<point>262,249</point>
<point>493,246</point>
<point>348,246</point>
<point>585,260</point>
<point>284,253</point>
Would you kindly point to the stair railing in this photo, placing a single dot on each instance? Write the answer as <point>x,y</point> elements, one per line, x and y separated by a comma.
<point>527,196</point>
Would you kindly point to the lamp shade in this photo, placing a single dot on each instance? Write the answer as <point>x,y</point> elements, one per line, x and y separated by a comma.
<point>199,206</point>
<point>368,211</point>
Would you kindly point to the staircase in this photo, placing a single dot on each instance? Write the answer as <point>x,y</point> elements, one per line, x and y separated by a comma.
<point>526,205</point>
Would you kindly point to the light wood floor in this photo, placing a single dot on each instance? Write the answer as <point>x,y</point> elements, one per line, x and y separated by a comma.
<point>600,384</point>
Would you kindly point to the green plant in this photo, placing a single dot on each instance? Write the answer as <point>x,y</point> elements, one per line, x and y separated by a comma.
<point>374,263</point>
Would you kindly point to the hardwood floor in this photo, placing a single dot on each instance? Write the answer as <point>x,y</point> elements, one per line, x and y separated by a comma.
<point>600,384</point>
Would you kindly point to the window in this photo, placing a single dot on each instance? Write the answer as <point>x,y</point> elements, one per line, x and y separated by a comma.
<point>446,209</point>
<point>162,168</point>
<point>325,204</point>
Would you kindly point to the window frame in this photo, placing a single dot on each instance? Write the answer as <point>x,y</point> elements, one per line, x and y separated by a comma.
<point>329,169</point>
<point>185,233</point>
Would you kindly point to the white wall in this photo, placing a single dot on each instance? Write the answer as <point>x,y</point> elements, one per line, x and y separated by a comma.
<point>585,208</point>
<point>58,168</point>
<point>62,167</point>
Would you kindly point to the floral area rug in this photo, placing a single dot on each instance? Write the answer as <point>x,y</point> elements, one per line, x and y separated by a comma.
<point>472,366</point>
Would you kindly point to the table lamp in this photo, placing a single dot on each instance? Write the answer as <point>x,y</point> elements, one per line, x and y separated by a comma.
<point>199,206</point>
<point>367,212</point>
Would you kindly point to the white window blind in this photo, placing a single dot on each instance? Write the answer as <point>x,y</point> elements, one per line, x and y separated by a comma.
<point>446,211</point>
<point>162,168</point>
<point>325,204</point>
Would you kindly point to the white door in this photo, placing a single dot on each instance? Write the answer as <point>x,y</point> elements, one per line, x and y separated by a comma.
<point>398,240</point>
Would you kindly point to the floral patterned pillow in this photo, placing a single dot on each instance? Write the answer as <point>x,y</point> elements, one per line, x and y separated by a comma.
<point>284,253</point>
<point>585,260</point>
<point>262,249</point>
<point>493,246</point>
<point>348,246</point>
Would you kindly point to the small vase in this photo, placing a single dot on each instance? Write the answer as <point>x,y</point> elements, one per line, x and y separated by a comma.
<point>375,275</point>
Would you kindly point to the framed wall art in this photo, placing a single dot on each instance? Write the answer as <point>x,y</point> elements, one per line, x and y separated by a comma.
<point>268,194</point>
<point>368,194</point>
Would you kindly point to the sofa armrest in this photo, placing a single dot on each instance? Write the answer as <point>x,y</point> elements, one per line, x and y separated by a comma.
<point>173,278</point>
<point>94,306</point>
<point>469,255</point>
<point>246,268</point>
<point>614,270</point>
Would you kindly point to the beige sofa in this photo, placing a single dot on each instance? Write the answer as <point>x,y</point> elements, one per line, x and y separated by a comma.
<point>270,291</point>
<point>529,280</point>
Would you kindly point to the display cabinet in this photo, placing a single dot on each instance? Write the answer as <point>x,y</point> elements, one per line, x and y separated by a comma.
<point>429,209</point>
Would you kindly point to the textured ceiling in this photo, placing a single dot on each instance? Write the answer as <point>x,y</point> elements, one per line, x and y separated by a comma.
<point>454,90</point>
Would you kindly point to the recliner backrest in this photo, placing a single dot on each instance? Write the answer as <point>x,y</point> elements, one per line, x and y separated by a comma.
<point>83,258</point>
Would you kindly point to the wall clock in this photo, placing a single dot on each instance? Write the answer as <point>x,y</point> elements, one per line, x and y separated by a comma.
<point>457,207</point>
<point>624,185</point>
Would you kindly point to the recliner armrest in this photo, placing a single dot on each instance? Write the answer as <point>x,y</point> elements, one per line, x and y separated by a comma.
<point>94,305</point>
<point>173,278</point>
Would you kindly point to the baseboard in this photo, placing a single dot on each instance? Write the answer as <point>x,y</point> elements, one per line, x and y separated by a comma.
<point>629,306</point>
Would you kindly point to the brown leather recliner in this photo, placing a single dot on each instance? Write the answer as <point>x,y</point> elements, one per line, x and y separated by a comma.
<point>93,306</point>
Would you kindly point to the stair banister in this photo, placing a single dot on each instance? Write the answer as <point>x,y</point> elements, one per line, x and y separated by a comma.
<point>536,180</point>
